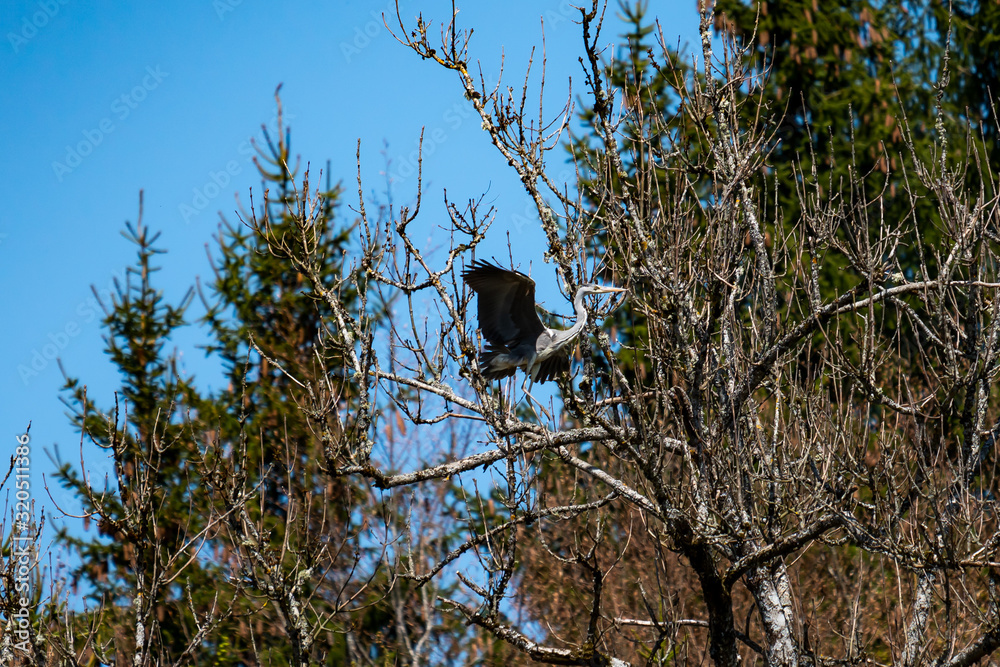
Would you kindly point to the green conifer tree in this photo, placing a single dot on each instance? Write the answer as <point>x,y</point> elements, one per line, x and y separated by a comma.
<point>284,420</point>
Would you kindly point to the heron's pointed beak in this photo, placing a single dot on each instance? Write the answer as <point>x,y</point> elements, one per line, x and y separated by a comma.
<point>613,289</point>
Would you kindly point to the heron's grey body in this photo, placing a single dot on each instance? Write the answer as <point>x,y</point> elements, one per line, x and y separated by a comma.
<point>508,320</point>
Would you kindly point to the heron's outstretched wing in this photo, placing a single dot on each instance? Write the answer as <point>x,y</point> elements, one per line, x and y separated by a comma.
<point>507,313</point>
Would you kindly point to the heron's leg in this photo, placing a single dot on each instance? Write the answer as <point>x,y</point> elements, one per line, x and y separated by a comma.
<point>533,402</point>
<point>524,390</point>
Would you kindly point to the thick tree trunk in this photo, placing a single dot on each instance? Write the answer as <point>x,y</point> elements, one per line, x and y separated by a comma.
<point>772,593</point>
<point>719,603</point>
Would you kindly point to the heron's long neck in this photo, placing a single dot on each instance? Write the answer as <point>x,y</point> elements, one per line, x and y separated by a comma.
<point>581,316</point>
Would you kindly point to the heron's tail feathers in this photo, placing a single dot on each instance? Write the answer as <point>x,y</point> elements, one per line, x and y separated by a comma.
<point>496,363</point>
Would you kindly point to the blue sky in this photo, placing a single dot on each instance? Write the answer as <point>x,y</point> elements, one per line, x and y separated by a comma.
<point>101,100</point>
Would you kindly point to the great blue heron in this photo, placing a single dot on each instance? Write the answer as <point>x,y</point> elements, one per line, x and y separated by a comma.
<point>517,338</point>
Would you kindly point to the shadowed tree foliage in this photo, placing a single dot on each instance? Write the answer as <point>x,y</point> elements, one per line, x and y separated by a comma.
<point>848,94</point>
